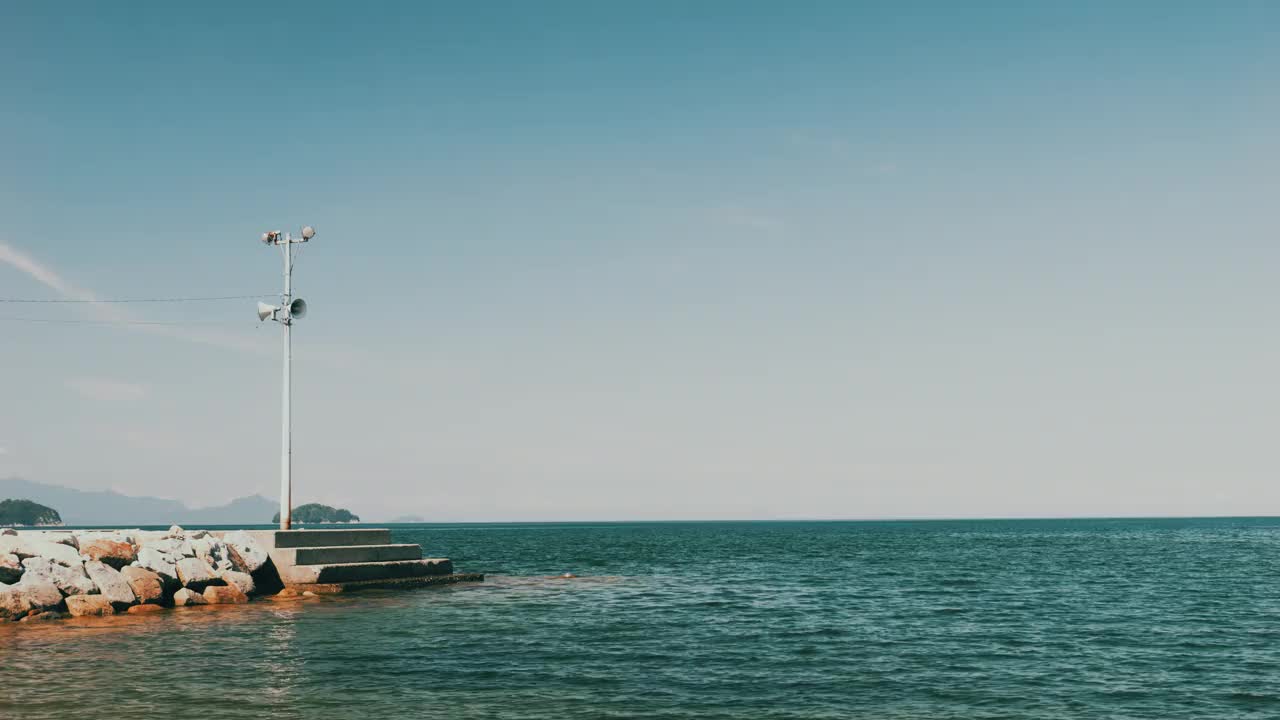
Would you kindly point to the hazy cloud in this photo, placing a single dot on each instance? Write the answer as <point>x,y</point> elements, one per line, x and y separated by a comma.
<point>48,277</point>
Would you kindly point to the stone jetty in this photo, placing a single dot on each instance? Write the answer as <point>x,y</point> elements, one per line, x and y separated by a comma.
<point>48,574</point>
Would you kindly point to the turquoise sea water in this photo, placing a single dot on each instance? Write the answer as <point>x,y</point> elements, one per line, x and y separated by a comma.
<point>977,619</point>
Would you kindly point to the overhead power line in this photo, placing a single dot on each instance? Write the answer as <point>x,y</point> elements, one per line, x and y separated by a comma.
<point>112,322</point>
<point>141,300</point>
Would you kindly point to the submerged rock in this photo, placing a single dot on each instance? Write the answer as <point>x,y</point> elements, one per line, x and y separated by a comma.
<point>186,597</point>
<point>82,605</point>
<point>111,584</point>
<point>70,580</point>
<point>44,616</point>
<point>137,609</point>
<point>146,585</point>
<point>115,553</point>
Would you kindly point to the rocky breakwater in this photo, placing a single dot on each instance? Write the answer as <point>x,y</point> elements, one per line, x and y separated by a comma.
<point>53,574</point>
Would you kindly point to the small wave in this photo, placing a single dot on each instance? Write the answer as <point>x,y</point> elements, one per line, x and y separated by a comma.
<point>1251,697</point>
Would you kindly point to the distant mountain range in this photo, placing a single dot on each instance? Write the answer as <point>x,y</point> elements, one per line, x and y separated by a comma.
<point>107,507</point>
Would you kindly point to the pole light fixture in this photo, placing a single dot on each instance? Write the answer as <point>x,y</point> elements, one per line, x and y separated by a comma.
<point>290,309</point>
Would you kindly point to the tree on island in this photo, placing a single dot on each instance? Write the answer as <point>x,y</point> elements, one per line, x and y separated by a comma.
<point>25,512</point>
<point>317,513</point>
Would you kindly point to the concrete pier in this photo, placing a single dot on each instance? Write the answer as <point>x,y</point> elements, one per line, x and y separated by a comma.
<point>350,558</point>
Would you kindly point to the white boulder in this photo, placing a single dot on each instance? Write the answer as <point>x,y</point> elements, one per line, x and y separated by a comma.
<point>32,596</point>
<point>41,593</point>
<point>188,597</point>
<point>82,605</point>
<point>13,604</point>
<point>57,552</point>
<point>196,574</point>
<point>10,568</point>
<point>111,584</point>
<point>241,580</point>
<point>162,564</point>
<point>246,554</point>
<point>69,580</point>
<point>170,546</point>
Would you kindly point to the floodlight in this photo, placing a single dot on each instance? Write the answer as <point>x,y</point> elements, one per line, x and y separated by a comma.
<point>308,232</point>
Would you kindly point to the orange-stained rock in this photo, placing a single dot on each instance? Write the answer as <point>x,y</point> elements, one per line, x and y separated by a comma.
<point>139,609</point>
<point>31,596</point>
<point>44,616</point>
<point>145,584</point>
<point>81,605</point>
<point>109,552</point>
<point>225,594</point>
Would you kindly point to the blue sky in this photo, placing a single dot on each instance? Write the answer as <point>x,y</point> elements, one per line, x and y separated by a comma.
<point>659,260</point>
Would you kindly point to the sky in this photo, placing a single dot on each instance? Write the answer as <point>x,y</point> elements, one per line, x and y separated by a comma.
<point>662,260</point>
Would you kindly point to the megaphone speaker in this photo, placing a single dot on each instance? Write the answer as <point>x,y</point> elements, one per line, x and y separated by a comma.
<point>298,308</point>
<point>265,311</point>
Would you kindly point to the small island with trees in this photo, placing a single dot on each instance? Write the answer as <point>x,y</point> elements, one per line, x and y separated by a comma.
<point>317,513</point>
<point>25,513</point>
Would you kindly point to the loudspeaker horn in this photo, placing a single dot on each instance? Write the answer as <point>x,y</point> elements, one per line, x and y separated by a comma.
<point>265,311</point>
<point>298,308</point>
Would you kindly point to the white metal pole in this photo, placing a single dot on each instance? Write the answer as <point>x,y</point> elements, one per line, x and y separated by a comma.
<point>286,452</point>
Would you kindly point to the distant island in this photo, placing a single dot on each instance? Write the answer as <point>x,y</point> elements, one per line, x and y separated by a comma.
<point>27,513</point>
<point>317,513</point>
<point>409,519</point>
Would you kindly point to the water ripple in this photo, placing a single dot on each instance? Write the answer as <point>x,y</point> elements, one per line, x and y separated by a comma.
<point>1003,619</point>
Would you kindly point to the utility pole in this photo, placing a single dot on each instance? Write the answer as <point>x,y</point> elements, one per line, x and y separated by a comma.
<point>289,310</point>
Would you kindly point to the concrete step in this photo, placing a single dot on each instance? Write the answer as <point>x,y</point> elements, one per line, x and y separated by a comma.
<point>280,539</point>
<point>394,583</point>
<point>349,554</point>
<point>357,572</point>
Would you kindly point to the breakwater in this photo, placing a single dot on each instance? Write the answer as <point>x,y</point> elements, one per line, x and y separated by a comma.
<point>52,574</point>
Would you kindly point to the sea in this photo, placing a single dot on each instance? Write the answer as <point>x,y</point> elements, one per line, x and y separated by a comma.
<point>1036,619</point>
